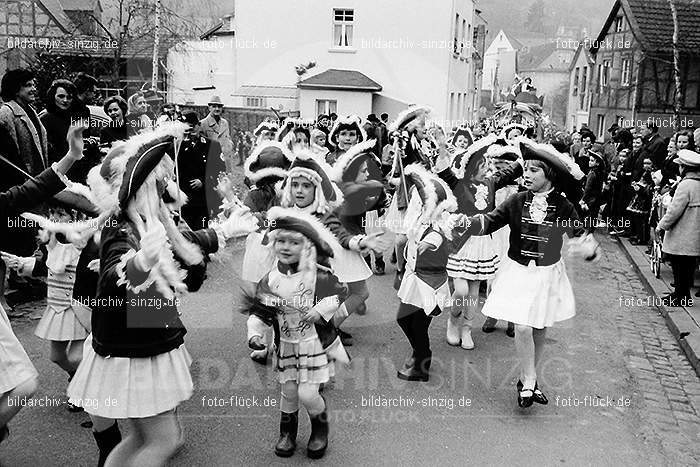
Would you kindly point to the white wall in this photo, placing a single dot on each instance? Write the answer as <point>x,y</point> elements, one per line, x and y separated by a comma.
<point>575,115</point>
<point>504,62</point>
<point>414,67</point>
<point>202,63</point>
<point>349,102</point>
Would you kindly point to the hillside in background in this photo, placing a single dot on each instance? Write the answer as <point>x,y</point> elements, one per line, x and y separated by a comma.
<point>512,16</point>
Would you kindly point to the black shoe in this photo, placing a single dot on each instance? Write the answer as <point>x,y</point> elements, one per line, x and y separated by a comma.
<point>525,397</point>
<point>538,396</point>
<point>345,338</point>
<point>318,441</point>
<point>489,325</point>
<point>412,374</point>
<point>106,441</point>
<point>510,330</point>
<point>260,360</point>
<point>289,425</point>
<point>73,408</point>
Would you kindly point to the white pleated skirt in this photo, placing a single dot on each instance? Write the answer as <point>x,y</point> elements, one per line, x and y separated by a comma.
<point>258,259</point>
<point>303,361</point>
<point>536,296</point>
<point>60,325</point>
<point>15,365</point>
<point>119,388</point>
<point>394,218</point>
<point>501,241</point>
<point>350,266</point>
<point>414,291</point>
<point>477,259</point>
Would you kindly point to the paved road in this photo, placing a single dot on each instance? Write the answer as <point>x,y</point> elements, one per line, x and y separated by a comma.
<point>620,389</point>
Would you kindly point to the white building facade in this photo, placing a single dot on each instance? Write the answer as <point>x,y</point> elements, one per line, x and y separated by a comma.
<point>417,52</point>
<point>500,61</point>
<point>580,79</point>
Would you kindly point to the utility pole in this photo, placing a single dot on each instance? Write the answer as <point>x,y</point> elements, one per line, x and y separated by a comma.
<point>156,46</point>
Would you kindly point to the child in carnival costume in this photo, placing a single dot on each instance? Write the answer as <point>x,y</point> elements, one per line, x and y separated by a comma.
<point>477,259</point>
<point>424,290</point>
<point>136,354</point>
<point>532,289</point>
<point>299,298</point>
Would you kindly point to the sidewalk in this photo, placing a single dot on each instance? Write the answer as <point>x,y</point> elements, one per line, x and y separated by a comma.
<point>683,322</point>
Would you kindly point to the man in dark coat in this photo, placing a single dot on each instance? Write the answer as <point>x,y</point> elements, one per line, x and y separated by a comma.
<point>654,146</point>
<point>199,163</point>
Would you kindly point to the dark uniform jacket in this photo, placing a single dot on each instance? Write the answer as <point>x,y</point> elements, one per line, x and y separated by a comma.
<point>144,324</point>
<point>200,158</point>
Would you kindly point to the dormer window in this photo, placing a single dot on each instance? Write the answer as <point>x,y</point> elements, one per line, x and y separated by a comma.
<point>619,23</point>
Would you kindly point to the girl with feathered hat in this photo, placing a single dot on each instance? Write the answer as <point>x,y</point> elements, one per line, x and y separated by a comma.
<point>299,298</point>
<point>407,131</point>
<point>424,290</point>
<point>71,281</point>
<point>500,157</point>
<point>359,177</point>
<point>309,188</point>
<point>477,259</point>
<point>265,168</point>
<point>532,289</point>
<point>346,132</point>
<point>135,355</point>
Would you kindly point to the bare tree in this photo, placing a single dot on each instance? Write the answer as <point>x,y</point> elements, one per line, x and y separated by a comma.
<point>676,69</point>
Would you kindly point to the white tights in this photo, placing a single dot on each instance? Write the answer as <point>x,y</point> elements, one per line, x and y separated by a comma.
<point>306,393</point>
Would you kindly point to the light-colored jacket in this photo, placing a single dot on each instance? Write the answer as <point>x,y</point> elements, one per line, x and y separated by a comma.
<point>29,141</point>
<point>682,220</point>
<point>219,132</point>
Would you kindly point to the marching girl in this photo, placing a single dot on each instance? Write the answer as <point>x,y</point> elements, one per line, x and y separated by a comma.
<point>346,132</point>
<point>295,132</point>
<point>266,167</point>
<point>532,289</point>
<point>501,157</point>
<point>358,176</point>
<point>265,131</point>
<point>135,354</point>
<point>462,139</point>
<point>71,286</point>
<point>18,377</point>
<point>424,290</point>
<point>408,131</point>
<point>309,188</point>
<point>318,143</point>
<point>477,259</point>
<point>299,297</point>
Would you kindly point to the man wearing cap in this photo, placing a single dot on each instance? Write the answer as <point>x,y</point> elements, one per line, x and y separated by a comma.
<point>215,127</point>
<point>199,162</point>
<point>682,223</point>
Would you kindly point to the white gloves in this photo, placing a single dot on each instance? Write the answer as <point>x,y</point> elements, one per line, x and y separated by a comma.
<point>240,222</point>
<point>152,242</point>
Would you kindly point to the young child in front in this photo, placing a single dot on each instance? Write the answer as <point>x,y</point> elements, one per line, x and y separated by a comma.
<point>299,298</point>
